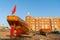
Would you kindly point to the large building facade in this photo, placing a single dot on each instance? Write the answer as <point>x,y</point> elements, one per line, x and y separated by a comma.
<point>37,23</point>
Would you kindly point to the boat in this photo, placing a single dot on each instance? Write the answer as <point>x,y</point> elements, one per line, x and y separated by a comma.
<point>17,24</point>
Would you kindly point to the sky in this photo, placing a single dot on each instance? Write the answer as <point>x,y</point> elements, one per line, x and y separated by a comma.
<point>35,7</point>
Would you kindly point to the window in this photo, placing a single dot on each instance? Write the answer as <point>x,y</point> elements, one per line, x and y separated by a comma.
<point>33,27</point>
<point>42,22</point>
<point>55,26</point>
<point>46,26</point>
<point>52,25</point>
<point>42,26</point>
<point>36,24</point>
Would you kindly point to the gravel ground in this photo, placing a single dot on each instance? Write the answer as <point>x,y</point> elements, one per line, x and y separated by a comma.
<point>38,37</point>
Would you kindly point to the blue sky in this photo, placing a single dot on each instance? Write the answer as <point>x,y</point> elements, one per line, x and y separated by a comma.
<point>35,7</point>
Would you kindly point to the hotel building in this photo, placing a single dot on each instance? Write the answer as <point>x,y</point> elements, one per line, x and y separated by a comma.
<point>37,23</point>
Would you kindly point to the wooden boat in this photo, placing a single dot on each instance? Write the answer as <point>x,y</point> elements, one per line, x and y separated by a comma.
<point>18,24</point>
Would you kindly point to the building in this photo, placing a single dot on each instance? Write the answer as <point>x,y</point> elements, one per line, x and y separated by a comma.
<point>36,23</point>
<point>55,23</point>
